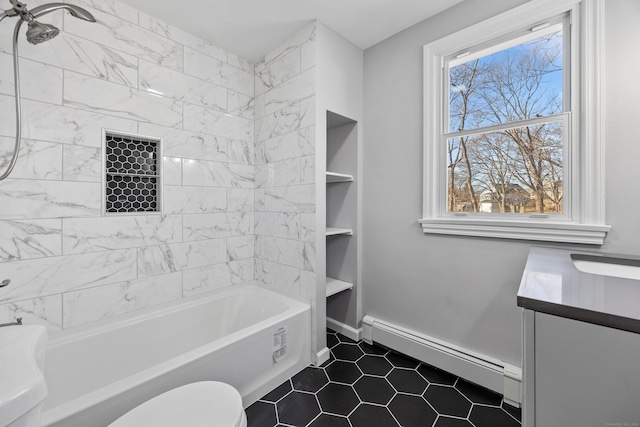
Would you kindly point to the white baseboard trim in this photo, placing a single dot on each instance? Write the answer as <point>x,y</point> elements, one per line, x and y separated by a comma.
<point>322,356</point>
<point>483,370</point>
<point>346,330</point>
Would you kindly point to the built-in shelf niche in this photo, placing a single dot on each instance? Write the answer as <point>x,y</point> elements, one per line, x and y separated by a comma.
<point>341,244</point>
<point>335,231</point>
<point>334,177</point>
<point>335,286</point>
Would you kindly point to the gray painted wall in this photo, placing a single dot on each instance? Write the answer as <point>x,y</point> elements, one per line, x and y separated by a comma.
<point>463,290</point>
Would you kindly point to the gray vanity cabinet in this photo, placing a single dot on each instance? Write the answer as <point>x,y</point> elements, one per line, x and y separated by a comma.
<point>578,374</point>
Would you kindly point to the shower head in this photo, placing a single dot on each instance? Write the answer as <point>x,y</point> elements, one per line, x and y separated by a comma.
<point>39,32</point>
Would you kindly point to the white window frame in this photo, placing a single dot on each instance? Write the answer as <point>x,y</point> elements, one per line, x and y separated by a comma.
<point>585,222</point>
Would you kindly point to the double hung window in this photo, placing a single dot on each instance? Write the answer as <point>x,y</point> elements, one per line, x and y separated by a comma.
<point>508,137</point>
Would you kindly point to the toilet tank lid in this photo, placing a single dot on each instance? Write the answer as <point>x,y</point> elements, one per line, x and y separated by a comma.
<point>205,403</point>
<point>23,386</point>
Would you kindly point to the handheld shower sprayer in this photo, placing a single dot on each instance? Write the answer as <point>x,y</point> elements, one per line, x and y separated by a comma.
<point>36,33</point>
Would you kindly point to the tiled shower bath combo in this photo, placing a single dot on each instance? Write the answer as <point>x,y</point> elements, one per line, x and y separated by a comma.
<point>156,167</point>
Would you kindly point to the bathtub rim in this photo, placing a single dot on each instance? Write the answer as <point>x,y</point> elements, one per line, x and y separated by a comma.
<point>60,337</point>
<point>58,413</point>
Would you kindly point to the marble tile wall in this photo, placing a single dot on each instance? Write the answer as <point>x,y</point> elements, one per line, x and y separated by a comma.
<point>69,264</point>
<point>285,90</point>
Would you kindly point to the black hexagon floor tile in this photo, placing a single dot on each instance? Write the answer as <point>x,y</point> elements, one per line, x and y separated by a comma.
<point>478,394</point>
<point>444,421</point>
<point>332,340</point>
<point>487,415</point>
<point>447,401</point>
<point>338,399</point>
<point>350,352</point>
<point>374,365</point>
<point>401,361</point>
<point>374,390</point>
<point>310,379</point>
<point>331,359</point>
<point>328,420</point>
<point>261,414</point>
<point>297,408</point>
<point>367,415</point>
<point>278,392</point>
<point>412,411</point>
<point>372,349</point>
<point>342,338</point>
<point>407,381</point>
<point>343,372</point>
<point>513,411</point>
<point>435,375</point>
<point>339,395</point>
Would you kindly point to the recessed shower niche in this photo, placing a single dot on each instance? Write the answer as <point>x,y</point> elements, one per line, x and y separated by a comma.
<point>132,173</point>
<point>342,219</point>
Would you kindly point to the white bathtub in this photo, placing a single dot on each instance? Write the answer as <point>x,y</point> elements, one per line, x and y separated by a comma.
<point>97,372</point>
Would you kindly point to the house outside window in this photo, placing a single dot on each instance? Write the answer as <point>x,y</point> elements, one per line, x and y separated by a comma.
<point>513,145</point>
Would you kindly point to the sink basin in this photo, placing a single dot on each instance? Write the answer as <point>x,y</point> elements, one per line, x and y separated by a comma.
<point>22,384</point>
<point>625,268</point>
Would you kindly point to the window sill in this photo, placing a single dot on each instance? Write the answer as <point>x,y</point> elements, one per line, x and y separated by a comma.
<point>564,232</point>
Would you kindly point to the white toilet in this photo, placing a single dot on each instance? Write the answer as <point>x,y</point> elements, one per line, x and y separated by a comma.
<point>201,404</point>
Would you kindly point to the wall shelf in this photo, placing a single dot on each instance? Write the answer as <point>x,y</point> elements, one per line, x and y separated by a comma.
<point>334,231</point>
<point>335,286</point>
<point>338,177</point>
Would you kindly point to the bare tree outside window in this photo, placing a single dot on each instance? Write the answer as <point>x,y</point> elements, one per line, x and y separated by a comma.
<point>515,169</point>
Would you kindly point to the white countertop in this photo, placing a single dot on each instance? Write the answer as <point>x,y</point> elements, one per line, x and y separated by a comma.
<point>551,284</point>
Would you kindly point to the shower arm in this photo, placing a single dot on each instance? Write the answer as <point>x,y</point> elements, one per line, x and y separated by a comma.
<point>35,13</point>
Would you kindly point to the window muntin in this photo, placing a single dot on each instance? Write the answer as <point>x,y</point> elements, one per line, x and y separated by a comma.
<point>506,137</point>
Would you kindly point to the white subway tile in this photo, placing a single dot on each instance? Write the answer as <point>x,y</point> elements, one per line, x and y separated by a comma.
<point>214,122</point>
<point>169,31</point>
<point>116,33</point>
<point>217,72</point>
<point>293,198</point>
<point>119,232</point>
<point>294,90</point>
<point>241,247</point>
<point>114,7</point>
<point>46,122</point>
<point>48,199</point>
<point>278,224</point>
<point>38,81</point>
<point>172,171</point>
<point>240,200</point>
<point>53,275</point>
<point>181,87</point>
<point>293,253</point>
<point>216,225</point>
<point>82,163</point>
<point>182,143</point>
<point>190,200</point>
<point>36,159</point>
<point>109,98</point>
<point>157,260</point>
<point>31,238</point>
<point>103,302</point>
<point>278,277</point>
<point>46,311</point>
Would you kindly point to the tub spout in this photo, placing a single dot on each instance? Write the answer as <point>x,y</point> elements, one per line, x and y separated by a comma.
<point>18,321</point>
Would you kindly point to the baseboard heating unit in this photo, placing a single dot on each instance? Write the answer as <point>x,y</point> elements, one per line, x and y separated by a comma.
<point>483,370</point>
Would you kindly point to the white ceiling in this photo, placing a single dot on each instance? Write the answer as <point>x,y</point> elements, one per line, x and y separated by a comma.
<point>251,28</point>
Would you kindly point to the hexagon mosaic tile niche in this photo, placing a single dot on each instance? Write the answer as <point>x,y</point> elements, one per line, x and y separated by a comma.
<point>132,174</point>
<point>369,386</point>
